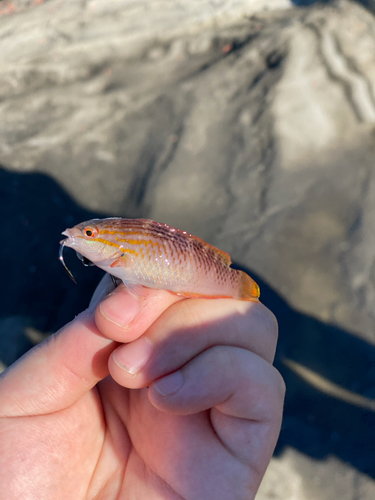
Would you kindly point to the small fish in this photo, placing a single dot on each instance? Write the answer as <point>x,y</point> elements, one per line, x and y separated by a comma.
<point>145,253</point>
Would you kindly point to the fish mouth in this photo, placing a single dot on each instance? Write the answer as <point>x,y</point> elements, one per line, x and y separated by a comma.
<point>69,241</point>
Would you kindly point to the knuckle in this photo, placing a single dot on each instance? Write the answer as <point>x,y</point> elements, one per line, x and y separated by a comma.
<point>189,314</point>
<point>280,386</point>
<point>267,321</point>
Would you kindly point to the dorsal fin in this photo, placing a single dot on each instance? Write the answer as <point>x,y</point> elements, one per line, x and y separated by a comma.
<point>225,257</point>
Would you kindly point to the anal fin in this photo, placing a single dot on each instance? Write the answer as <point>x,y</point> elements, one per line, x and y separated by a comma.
<point>189,295</point>
<point>136,289</point>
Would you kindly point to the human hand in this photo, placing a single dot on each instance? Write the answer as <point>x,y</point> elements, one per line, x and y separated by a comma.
<point>75,424</point>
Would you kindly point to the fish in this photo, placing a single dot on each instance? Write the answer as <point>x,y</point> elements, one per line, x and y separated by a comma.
<point>145,253</point>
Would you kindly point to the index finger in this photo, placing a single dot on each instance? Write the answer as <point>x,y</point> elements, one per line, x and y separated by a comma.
<point>123,316</point>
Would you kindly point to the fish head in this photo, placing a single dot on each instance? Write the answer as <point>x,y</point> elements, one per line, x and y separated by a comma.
<point>90,245</point>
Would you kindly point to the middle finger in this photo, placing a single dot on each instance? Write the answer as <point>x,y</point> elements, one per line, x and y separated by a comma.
<point>188,328</point>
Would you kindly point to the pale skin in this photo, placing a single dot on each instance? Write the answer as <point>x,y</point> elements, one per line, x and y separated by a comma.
<point>196,417</point>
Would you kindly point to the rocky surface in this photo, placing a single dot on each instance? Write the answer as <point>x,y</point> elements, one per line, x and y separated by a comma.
<point>249,124</point>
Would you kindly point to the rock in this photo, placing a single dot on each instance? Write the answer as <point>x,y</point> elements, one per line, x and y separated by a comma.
<point>252,128</point>
<point>293,476</point>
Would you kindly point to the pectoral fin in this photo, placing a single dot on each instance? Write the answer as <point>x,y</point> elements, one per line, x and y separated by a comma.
<point>121,261</point>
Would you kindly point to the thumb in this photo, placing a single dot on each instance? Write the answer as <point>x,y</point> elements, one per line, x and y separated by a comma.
<point>57,372</point>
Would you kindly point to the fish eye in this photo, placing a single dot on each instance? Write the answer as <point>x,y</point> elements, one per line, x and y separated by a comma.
<point>90,232</point>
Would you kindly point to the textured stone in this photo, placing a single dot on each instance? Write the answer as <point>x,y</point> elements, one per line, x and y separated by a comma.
<point>293,476</point>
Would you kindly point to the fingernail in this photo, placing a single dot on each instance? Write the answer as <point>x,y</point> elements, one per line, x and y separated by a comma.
<point>120,308</point>
<point>133,357</point>
<point>167,386</point>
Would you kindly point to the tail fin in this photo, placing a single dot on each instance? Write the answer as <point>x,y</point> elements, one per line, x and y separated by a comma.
<point>249,290</point>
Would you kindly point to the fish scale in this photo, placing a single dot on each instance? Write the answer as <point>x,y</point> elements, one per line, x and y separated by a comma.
<point>142,252</point>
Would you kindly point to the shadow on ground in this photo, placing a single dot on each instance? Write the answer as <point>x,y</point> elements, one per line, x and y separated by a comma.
<point>331,414</point>
<point>330,379</point>
<point>35,292</point>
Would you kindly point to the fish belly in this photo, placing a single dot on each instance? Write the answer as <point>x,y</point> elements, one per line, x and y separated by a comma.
<point>187,278</point>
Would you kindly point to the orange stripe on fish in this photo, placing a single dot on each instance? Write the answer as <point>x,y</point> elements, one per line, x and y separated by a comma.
<point>106,242</point>
<point>136,242</point>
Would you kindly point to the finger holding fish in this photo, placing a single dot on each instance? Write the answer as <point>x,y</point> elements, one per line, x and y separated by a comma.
<point>186,330</point>
<point>211,360</point>
<point>123,316</point>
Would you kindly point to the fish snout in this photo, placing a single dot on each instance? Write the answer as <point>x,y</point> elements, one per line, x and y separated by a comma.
<point>71,235</point>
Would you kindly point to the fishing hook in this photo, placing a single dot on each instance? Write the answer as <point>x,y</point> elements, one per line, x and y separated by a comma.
<point>61,258</point>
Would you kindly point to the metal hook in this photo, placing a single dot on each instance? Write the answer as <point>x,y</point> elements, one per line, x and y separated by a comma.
<point>61,258</point>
